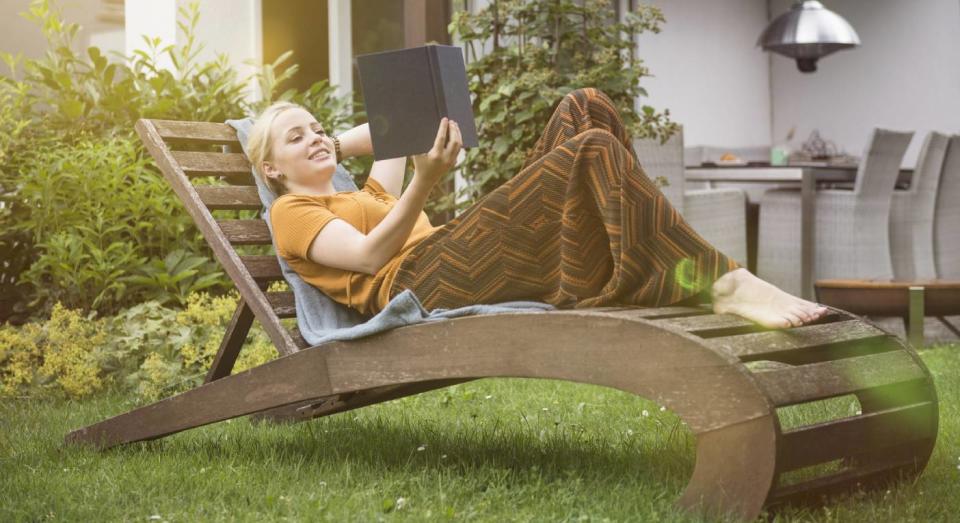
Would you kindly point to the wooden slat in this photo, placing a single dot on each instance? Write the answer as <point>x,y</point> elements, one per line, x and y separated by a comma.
<point>865,433</point>
<point>764,345</point>
<point>901,458</point>
<point>263,267</point>
<point>245,232</point>
<point>230,165</point>
<point>791,385</point>
<point>229,198</point>
<point>657,312</point>
<point>706,322</point>
<point>225,252</point>
<point>283,303</point>
<point>196,132</point>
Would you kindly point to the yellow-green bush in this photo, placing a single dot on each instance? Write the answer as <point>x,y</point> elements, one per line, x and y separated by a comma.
<point>150,349</point>
<point>59,354</point>
<point>204,319</point>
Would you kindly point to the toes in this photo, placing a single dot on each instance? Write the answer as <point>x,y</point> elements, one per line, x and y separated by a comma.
<point>794,319</point>
<point>802,314</point>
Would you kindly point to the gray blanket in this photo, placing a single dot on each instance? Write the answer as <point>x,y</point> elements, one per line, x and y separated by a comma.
<point>320,319</point>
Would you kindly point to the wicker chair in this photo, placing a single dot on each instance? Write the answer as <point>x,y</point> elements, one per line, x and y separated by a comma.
<point>911,214</point>
<point>719,215</point>
<point>947,215</point>
<point>851,228</point>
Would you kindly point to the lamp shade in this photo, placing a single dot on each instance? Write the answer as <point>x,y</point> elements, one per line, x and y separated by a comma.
<point>808,32</point>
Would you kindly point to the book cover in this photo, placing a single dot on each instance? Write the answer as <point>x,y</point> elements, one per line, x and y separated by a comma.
<point>407,91</point>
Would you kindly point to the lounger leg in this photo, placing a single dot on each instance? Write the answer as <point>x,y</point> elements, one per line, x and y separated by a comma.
<point>296,378</point>
<point>232,342</point>
<point>734,470</point>
<point>352,400</point>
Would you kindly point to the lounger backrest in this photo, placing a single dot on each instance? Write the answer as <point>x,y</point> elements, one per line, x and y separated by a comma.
<point>186,151</point>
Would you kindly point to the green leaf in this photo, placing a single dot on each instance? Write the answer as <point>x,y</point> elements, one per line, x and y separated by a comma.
<point>72,108</point>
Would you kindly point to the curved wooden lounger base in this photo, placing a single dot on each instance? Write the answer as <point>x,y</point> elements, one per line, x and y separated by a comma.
<point>688,361</point>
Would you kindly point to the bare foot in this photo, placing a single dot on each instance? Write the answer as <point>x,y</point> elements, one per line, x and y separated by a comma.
<point>740,292</point>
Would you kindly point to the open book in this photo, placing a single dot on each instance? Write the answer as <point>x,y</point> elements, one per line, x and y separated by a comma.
<point>406,93</point>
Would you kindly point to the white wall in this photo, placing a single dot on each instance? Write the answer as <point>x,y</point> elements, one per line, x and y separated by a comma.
<point>231,27</point>
<point>709,72</point>
<point>21,36</point>
<point>905,75</point>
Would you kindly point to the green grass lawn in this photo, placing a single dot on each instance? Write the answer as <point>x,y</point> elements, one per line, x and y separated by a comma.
<point>490,450</point>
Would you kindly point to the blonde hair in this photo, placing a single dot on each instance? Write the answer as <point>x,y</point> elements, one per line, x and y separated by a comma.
<point>260,143</point>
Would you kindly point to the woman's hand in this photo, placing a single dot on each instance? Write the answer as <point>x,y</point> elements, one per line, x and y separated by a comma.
<point>432,165</point>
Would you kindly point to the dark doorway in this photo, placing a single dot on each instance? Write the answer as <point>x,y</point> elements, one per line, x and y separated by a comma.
<point>300,26</point>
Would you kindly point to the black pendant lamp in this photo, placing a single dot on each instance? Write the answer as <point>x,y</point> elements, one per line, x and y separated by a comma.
<point>808,32</point>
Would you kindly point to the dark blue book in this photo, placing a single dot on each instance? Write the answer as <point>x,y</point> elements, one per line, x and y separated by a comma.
<point>408,91</point>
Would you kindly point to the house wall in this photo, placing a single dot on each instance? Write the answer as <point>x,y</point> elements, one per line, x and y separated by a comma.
<point>905,75</point>
<point>708,71</point>
<point>231,27</point>
<point>21,36</point>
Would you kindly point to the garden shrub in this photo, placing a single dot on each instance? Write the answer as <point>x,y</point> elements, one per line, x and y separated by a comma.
<point>539,52</point>
<point>149,349</point>
<point>59,354</point>
<point>69,154</point>
<point>173,349</point>
<point>97,214</point>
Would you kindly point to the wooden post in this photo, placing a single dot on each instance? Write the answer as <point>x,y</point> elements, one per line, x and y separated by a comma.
<point>915,329</point>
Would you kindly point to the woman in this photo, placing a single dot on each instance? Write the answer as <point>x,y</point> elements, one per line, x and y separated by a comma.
<point>581,225</point>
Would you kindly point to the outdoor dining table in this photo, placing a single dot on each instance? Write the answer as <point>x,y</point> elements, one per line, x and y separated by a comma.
<point>805,175</point>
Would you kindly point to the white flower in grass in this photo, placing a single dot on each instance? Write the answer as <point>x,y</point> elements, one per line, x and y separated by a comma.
<point>401,502</point>
<point>545,409</point>
<point>629,432</point>
<point>422,447</point>
<point>443,456</point>
<point>488,396</point>
<point>155,517</point>
<point>645,413</point>
<point>663,409</point>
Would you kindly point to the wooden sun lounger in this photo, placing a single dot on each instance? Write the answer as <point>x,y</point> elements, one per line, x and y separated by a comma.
<point>693,362</point>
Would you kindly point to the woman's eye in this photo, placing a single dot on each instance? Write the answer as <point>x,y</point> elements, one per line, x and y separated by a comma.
<point>295,139</point>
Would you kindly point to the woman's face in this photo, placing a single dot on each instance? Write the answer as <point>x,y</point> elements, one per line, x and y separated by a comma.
<point>302,151</point>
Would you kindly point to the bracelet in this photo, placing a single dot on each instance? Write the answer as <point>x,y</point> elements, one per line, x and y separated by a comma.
<point>336,149</point>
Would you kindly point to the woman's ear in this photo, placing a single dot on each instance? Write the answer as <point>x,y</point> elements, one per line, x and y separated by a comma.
<point>270,171</point>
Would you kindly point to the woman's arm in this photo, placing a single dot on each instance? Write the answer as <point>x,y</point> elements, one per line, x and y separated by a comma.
<point>340,245</point>
<point>357,142</point>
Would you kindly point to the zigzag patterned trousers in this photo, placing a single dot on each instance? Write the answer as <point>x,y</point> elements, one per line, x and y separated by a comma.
<point>580,226</point>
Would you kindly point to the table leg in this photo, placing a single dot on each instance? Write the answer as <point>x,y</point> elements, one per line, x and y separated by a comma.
<point>807,243</point>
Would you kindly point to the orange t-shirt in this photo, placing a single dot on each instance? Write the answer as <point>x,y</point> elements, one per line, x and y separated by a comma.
<point>298,218</point>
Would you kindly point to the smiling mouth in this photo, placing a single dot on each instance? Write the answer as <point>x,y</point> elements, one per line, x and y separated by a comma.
<point>319,155</point>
